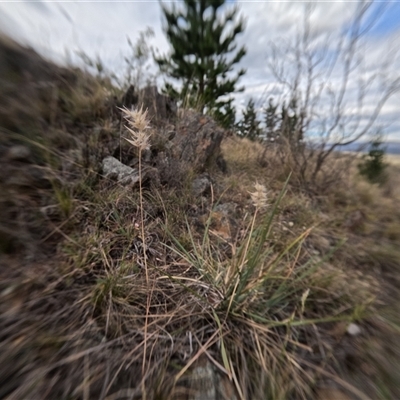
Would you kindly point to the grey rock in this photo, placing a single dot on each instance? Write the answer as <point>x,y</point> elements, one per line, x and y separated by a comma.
<point>201,185</point>
<point>159,106</point>
<point>228,209</point>
<point>115,170</point>
<point>19,153</point>
<point>197,141</point>
<point>127,176</point>
<point>353,329</point>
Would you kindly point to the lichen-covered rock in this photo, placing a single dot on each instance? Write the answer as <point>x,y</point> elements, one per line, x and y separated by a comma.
<point>201,185</point>
<point>197,140</point>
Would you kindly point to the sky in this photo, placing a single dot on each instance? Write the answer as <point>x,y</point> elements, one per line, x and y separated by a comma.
<point>57,29</point>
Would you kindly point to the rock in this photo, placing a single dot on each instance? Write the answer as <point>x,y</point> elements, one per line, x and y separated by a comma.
<point>353,329</point>
<point>197,141</point>
<point>229,209</point>
<point>113,169</point>
<point>127,176</point>
<point>201,185</point>
<point>193,143</point>
<point>159,106</point>
<point>19,153</point>
<point>204,382</point>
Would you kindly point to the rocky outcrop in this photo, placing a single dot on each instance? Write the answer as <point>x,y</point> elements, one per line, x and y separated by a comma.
<point>192,144</point>
<point>197,141</point>
<point>160,107</point>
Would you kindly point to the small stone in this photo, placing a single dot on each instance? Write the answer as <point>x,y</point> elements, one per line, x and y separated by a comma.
<point>353,329</point>
<point>201,185</point>
<point>291,224</point>
<point>228,209</point>
<point>113,169</point>
<point>19,153</point>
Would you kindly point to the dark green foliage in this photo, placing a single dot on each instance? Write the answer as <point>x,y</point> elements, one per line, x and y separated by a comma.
<point>290,126</point>
<point>249,126</point>
<point>226,115</point>
<point>271,119</point>
<point>201,44</point>
<point>285,124</point>
<point>373,167</point>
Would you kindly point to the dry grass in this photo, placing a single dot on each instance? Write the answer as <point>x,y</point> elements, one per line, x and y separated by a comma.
<point>254,315</point>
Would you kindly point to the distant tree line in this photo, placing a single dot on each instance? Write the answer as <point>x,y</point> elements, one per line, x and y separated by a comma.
<point>278,123</point>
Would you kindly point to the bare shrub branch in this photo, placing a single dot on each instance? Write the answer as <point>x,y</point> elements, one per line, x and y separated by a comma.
<point>339,86</point>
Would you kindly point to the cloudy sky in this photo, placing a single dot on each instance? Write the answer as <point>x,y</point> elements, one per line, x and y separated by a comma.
<point>59,28</point>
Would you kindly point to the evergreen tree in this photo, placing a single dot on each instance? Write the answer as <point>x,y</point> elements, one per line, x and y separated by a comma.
<point>271,119</point>
<point>201,45</point>
<point>249,126</point>
<point>290,125</point>
<point>227,115</point>
<point>373,167</point>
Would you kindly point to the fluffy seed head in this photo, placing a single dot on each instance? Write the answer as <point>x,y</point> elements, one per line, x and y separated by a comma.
<point>138,125</point>
<point>259,197</point>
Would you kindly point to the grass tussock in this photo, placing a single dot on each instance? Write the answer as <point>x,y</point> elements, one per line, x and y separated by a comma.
<point>255,315</point>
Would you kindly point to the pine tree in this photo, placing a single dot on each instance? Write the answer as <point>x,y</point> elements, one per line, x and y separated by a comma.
<point>271,119</point>
<point>249,126</point>
<point>290,126</point>
<point>373,167</point>
<point>201,45</point>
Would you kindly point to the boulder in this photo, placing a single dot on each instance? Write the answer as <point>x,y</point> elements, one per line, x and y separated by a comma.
<point>159,106</point>
<point>197,141</point>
